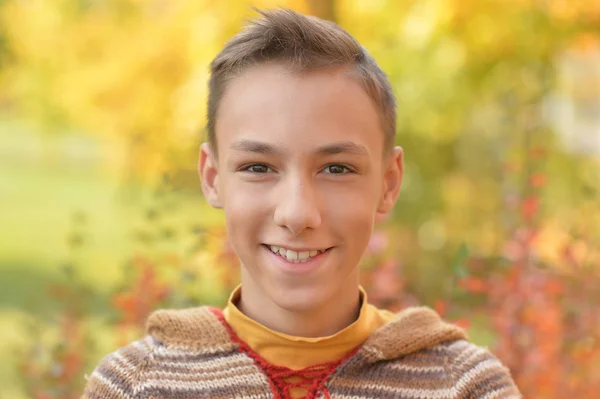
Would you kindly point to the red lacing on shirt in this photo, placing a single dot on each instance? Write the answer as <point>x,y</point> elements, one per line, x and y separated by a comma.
<point>312,378</point>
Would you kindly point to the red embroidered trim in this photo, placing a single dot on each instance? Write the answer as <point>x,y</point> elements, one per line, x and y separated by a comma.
<point>312,378</point>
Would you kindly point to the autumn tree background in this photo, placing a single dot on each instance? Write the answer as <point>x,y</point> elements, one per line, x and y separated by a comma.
<point>102,110</point>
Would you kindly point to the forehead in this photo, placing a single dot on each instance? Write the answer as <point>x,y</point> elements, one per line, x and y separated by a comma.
<point>270,103</point>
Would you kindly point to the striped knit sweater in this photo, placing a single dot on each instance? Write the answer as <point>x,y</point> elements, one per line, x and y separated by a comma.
<point>193,353</point>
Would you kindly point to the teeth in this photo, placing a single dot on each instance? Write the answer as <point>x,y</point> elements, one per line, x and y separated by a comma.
<point>291,255</point>
<point>294,256</point>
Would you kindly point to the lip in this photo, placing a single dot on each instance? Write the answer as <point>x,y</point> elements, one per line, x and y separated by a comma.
<point>297,249</point>
<point>290,267</point>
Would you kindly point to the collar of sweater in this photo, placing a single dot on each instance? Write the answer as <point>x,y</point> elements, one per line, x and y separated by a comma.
<point>296,352</point>
<point>201,330</point>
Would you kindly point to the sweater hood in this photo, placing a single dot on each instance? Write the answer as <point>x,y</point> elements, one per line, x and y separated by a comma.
<point>412,330</point>
<point>203,330</point>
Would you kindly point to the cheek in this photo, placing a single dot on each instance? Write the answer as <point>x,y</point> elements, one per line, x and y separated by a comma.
<point>353,219</point>
<point>245,211</point>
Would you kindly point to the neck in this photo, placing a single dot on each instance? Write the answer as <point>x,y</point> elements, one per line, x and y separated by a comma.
<point>326,318</point>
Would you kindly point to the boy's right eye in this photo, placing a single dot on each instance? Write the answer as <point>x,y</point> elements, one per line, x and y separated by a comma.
<point>256,168</point>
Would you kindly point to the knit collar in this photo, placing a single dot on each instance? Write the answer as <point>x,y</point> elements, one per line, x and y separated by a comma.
<point>201,330</point>
<point>300,352</point>
<point>412,329</point>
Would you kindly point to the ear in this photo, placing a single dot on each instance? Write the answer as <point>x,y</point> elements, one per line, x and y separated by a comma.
<point>209,175</point>
<point>392,181</point>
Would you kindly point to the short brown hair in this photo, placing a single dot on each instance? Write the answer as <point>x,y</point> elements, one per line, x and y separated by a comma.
<point>303,43</point>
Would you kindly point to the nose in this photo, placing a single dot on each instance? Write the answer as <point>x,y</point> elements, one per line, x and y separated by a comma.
<point>297,206</point>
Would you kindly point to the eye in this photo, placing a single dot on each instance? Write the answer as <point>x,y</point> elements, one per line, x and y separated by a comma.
<point>337,169</point>
<point>257,168</point>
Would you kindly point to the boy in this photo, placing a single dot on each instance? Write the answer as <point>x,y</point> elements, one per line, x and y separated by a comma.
<point>300,157</point>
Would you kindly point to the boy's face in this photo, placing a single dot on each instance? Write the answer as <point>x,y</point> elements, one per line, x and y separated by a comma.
<point>300,166</point>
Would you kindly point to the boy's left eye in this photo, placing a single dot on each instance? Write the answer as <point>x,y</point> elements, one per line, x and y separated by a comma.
<point>337,169</point>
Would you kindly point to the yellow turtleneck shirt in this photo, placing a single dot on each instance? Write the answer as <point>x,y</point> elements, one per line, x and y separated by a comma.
<point>300,352</point>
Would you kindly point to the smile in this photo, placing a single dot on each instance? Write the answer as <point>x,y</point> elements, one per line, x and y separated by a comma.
<point>295,256</point>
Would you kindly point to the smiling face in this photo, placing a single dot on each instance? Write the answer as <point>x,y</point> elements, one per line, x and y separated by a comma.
<point>300,169</point>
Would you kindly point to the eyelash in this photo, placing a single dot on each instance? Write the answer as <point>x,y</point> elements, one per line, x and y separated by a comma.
<point>247,167</point>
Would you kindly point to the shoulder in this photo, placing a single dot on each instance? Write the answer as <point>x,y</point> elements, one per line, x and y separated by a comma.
<point>171,334</point>
<point>117,374</point>
<point>418,340</point>
<point>453,369</point>
<point>476,372</point>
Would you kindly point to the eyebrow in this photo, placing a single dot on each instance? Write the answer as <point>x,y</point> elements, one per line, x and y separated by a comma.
<point>259,147</point>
